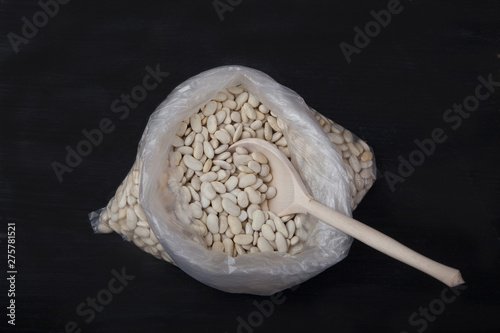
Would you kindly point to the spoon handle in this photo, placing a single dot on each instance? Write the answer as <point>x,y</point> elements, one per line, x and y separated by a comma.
<point>383,243</point>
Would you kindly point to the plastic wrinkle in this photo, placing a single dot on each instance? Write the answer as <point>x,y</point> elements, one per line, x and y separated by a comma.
<point>94,219</point>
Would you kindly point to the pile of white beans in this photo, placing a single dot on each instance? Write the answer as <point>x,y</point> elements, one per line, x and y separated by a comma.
<point>357,157</point>
<point>124,215</point>
<point>227,192</point>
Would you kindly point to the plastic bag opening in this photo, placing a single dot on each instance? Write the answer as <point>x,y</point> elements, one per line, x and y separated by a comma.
<point>316,159</point>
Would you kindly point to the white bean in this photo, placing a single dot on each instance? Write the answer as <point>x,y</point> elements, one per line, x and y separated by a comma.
<point>195,122</point>
<point>218,246</point>
<point>210,108</point>
<point>228,246</point>
<point>243,216</point>
<point>253,196</point>
<point>281,243</point>
<point>267,232</point>
<point>218,187</point>
<point>259,157</point>
<point>223,136</point>
<point>192,163</point>
<point>234,224</point>
<point>208,149</point>
<point>290,226</point>
<point>231,183</point>
<point>271,192</point>
<point>258,220</point>
<point>196,210</point>
<point>220,149</point>
<point>208,177</point>
<point>208,190</point>
<point>142,232</point>
<point>230,207</point>
<point>243,199</point>
<point>264,245</point>
<point>249,111</point>
<point>280,226</point>
<point>213,223</point>
<point>243,239</point>
<point>354,163</point>
<point>222,164</point>
<point>241,151</point>
<point>131,219</point>
<point>242,160</point>
<point>247,180</point>
<point>217,204</point>
<point>242,98</point>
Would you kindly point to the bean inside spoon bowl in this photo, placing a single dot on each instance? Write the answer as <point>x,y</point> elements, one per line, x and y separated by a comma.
<point>293,197</point>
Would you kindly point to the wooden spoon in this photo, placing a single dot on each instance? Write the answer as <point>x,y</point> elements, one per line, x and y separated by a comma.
<point>293,197</point>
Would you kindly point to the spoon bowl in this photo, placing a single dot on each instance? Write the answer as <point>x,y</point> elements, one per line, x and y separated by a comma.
<point>291,189</point>
<point>292,197</point>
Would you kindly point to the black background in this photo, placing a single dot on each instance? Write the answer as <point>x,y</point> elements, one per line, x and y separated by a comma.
<point>394,91</point>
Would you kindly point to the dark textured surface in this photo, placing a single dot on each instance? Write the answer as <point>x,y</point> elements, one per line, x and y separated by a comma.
<point>396,90</point>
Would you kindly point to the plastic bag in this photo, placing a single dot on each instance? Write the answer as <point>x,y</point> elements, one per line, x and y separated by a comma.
<point>321,160</point>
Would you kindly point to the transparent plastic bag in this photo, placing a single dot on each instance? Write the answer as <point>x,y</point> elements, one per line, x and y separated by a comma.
<point>316,152</point>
